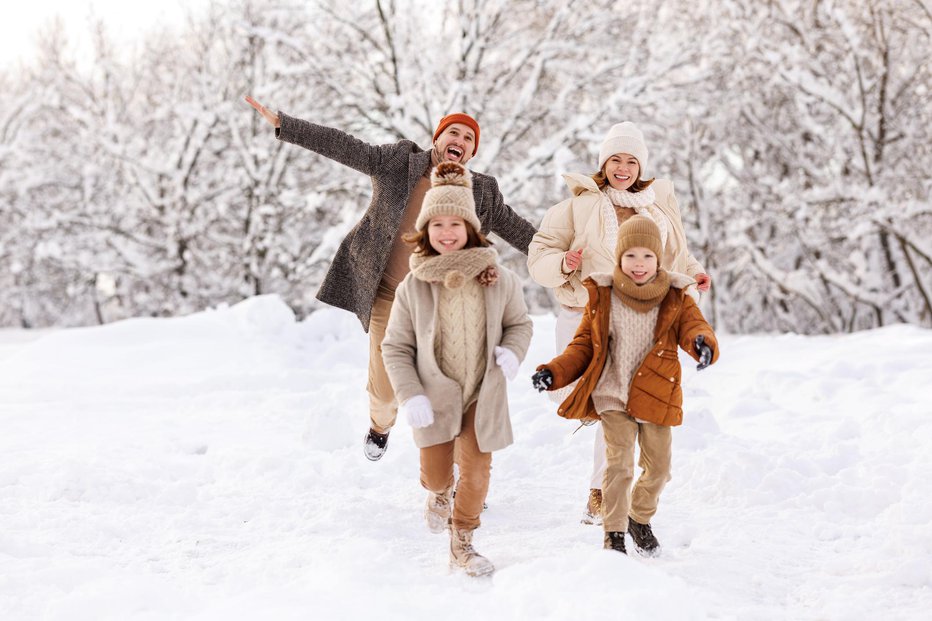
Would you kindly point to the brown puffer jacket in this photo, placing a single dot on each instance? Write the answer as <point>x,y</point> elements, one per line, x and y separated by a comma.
<point>655,394</point>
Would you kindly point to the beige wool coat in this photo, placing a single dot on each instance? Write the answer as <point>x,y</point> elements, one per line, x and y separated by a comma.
<point>408,353</point>
<point>578,222</point>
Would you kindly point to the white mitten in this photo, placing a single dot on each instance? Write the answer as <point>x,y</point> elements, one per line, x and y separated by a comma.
<point>506,359</point>
<point>417,411</point>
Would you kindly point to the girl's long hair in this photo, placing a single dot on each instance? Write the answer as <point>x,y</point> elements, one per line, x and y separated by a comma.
<point>422,246</point>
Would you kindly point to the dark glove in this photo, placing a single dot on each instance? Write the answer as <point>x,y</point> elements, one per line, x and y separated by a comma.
<point>542,380</point>
<point>705,353</point>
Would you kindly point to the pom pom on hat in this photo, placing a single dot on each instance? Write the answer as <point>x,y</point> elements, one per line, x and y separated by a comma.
<point>450,194</point>
<point>450,173</point>
<point>624,138</point>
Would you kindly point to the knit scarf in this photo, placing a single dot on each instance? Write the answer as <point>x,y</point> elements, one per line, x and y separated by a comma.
<point>453,268</point>
<point>634,200</point>
<point>644,297</point>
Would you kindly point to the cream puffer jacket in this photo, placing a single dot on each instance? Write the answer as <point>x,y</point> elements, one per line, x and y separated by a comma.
<point>579,222</point>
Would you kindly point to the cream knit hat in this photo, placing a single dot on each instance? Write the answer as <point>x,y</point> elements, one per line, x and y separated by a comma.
<point>638,231</point>
<point>624,138</point>
<point>450,194</point>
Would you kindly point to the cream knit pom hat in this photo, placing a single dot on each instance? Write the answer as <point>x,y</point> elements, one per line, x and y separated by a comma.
<point>624,138</point>
<point>450,194</point>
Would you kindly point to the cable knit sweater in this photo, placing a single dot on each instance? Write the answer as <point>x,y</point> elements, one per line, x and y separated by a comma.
<point>460,347</point>
<point>630,338</point>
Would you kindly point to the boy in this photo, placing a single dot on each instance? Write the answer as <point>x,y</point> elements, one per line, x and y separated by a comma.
<point>624,354</point>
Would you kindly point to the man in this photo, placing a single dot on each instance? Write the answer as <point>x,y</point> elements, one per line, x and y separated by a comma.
<point>373,259</point>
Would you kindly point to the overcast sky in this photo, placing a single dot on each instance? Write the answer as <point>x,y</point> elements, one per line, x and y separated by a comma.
<point>126,18</point>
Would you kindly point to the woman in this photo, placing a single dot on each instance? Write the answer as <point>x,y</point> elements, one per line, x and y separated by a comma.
<point>577,237</point>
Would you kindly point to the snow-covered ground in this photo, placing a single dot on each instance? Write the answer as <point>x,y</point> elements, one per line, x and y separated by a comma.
<point>210,467</point>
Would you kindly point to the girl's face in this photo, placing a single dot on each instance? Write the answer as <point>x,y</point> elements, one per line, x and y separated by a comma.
<point>446,233</point>
<point>640,264</point>
<point>622,170</point>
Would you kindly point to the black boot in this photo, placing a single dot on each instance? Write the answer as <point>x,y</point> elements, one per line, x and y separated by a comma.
<point>643,538</point>
<point>375,444</point>
<point>615,541</point>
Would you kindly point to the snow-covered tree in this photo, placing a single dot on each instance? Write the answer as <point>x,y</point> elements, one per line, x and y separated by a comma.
<point>796,132</point>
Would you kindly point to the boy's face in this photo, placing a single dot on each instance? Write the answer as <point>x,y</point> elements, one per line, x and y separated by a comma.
<point>640,264</point>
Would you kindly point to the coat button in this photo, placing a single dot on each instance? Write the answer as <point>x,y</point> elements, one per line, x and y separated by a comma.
<point>639,373</point>
<point>672,379</point>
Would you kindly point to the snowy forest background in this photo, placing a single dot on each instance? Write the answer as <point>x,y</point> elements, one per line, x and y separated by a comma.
<point>798,134</point>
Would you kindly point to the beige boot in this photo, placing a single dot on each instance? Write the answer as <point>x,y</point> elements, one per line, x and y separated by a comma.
<point>593,514</point>
<point>438,511</point>
<point>463,555</point>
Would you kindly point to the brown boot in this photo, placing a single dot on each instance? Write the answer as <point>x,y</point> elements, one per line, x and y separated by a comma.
<point>438,511</point>
<point>463,555</point>
<point>593,514</point>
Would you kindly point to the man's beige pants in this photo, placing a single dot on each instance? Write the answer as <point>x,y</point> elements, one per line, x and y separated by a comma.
<point>475,470</point>
<point>382,406</point>
<point>618,500</point>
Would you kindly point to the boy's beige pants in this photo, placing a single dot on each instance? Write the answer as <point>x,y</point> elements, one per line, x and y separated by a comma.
<point>618,499</point>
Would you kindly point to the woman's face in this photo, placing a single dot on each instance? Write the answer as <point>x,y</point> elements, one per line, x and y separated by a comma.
<point>640,264</point>
<point>446,233</point>
<point>622,170</point>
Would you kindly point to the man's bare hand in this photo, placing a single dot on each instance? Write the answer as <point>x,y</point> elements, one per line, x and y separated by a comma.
<point>267,114</point>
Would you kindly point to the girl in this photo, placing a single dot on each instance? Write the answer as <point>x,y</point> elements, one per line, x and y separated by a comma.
<point>625,354</point>
<point>577,238</point>
<point>458,328</point>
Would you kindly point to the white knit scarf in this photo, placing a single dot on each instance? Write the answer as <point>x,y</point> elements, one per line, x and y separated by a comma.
<point>634,200</point>
<point>642,202</point>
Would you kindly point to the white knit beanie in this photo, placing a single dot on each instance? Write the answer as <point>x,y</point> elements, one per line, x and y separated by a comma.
<point>450,194</point>
<point>624,138</point>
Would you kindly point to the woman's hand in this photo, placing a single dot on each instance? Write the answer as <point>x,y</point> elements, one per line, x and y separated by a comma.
<point>703,282</point>
<point>267,114</point>
<point>572,259</point>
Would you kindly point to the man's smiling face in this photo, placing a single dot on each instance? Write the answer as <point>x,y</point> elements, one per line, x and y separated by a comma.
<point>456,143</point>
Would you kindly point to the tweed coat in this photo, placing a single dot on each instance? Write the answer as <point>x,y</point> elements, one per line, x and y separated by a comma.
<point>413,369</point>
<point>578,222</point>
<point>655,394</point>
<point>352,281</point>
